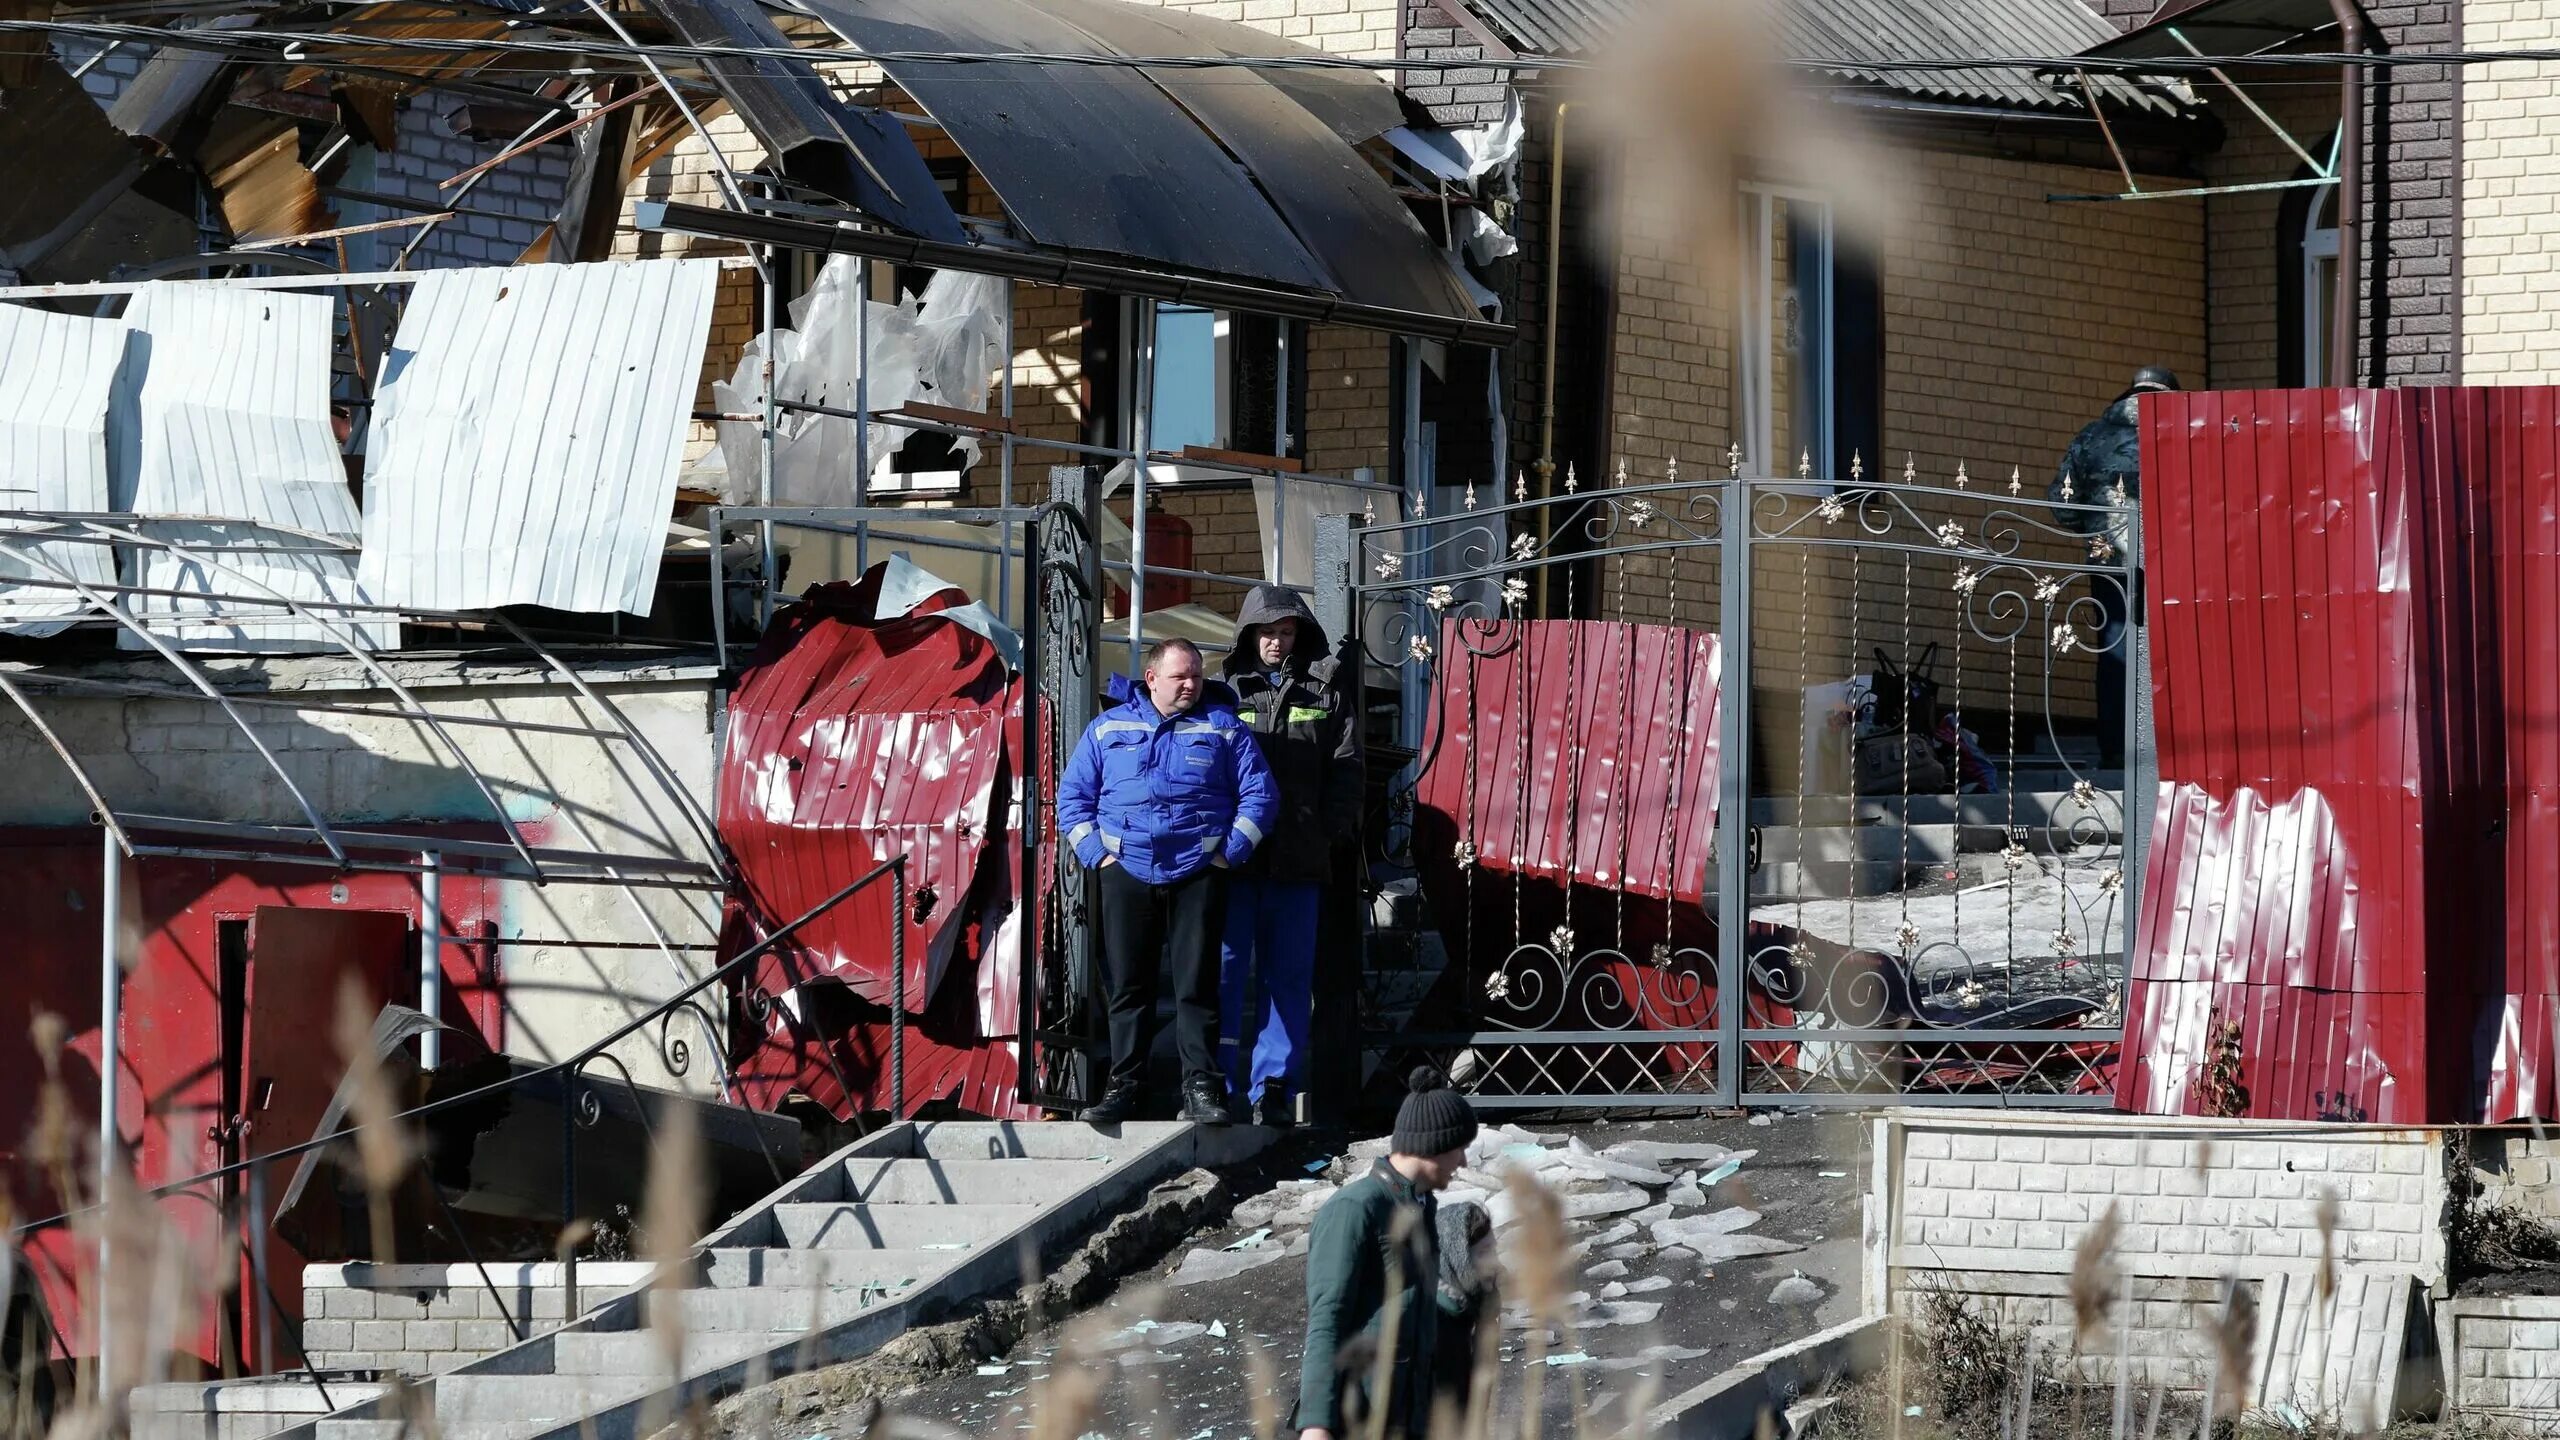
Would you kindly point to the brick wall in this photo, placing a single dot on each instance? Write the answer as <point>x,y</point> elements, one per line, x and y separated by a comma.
<point>2253,261</point>
<point>1476,94</point>
<point>1338,27</point>
<point>2010,322</point>
<point>2510,198</point>
<point>1991,1205</point>
<point>2504,1356</point>
<point>427,1319</point>
<point>2415,122</point>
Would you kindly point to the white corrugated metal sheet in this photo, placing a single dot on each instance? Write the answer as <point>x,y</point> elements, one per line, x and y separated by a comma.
<point>56,372</point>
<point>527,433</point>
<point>223,412</point>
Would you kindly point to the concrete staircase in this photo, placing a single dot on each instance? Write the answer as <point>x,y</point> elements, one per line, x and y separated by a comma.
<point>899,1225</point>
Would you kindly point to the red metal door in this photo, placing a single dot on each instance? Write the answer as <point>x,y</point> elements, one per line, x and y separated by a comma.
<point>298,959</point>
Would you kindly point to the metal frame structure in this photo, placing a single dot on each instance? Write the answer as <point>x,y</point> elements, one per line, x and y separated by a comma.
<point>1564,1021</point>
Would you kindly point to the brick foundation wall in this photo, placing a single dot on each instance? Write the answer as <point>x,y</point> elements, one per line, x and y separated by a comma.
<point>2510,198</point>
<point>2504,1355</point>
<point>428,1319</point>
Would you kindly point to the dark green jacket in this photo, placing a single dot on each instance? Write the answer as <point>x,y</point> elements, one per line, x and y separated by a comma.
<point>1303,723</point>
<point>1355,1244</point>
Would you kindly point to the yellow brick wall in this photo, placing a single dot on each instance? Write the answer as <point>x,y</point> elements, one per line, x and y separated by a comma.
<point>2249,265</point>
<point>2009,323</point>
<point>1347,397</point>
<point>2510,198</point>
<point>1338,27</point>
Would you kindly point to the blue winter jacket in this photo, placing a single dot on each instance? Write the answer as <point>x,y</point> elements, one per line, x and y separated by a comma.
<point>1163,796</point>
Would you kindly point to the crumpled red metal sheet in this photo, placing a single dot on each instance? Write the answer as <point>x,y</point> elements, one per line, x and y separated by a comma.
<point>2322,780</point>
<point>851,741</point>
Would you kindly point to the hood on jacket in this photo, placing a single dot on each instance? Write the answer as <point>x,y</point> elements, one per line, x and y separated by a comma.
<point>1262,605</point>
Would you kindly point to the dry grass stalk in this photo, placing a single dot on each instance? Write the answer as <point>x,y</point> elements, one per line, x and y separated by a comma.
<point>2093,1276</point>
<point>1065,1401</point>
<point>1542,1267</point>
<point>2234,1337</point>
<point>382,1150</point>
<point>2328,1219</point>
<point>1262,1387</point>
<point>673,1205</point>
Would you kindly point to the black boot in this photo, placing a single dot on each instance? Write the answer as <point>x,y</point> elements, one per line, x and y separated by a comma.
<point>1119,1103</point>
<point>1273,1109</point>
<point>1204,1100</point>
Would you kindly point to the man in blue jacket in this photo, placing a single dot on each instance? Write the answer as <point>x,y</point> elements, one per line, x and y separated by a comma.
<point>1164,796</point>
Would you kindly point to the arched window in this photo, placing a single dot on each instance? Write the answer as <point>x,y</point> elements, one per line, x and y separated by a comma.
<point>2318,283</point>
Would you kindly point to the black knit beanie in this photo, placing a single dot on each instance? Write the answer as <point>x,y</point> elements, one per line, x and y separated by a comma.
<point>1434,1118</point>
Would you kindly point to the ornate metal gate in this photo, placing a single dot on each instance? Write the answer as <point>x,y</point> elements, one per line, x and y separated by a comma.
<point>1859,721</point>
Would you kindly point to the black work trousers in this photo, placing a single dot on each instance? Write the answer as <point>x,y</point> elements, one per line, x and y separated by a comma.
<point>1142,923</point>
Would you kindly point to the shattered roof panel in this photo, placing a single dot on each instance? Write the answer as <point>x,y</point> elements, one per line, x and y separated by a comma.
<point>222,411</point>
<point>55,375</point>
<point>527,433</point>
<point>1843,33</point>
<point>1085,157</point>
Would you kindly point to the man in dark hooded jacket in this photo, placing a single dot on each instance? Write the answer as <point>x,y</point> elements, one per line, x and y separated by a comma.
<point>2104,467</point>
<point>1285,680</point>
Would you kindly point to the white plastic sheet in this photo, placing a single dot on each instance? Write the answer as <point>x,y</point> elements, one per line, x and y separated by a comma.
<point>56,372</point>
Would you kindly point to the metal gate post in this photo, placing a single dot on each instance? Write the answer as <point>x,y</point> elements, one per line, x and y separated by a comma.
<point>1069,642</point>
<point>2141,761</point>
<point>1731,853</point>
<point>1337,1036</point>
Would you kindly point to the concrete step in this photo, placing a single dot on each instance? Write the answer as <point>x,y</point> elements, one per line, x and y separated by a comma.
<point>1914,844</point>
<point>1047,1140</point>
<point>1830,879</point>
<point>498,1406</point>
<point>643,1352</point>
<point>943,1228</point>
<point>360,1430</point>
<point>964,1182</point>
<point>765,1309</point>
<point>833,1269</point>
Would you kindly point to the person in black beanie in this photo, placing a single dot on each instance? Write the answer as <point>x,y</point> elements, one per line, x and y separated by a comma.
<point>1387,1217</point>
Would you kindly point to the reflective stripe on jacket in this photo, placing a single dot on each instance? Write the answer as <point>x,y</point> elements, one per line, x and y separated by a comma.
<point>1165,796</point>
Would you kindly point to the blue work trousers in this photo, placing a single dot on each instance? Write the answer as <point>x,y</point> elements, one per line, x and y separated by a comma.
<point>1270,952</point>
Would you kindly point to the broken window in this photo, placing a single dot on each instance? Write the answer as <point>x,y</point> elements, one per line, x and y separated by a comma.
<point>1224,380</point>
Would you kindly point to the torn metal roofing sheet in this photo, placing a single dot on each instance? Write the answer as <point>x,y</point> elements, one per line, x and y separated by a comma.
<point>56,372</point>
<point>1329,194</point>
<point>527,433</point>
<point>1838,34</point>
<point>857,155</point>
<point>1085,157</point>
<point>222,411</point>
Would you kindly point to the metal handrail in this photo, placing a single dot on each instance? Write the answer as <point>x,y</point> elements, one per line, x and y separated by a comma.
<point>895,866</point>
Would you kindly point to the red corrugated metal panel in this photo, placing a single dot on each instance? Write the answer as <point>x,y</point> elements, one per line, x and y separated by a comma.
<point>2323,669</point>
<point>1552,746</point>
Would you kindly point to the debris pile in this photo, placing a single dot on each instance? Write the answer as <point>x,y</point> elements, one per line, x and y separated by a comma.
<point>1627,1207</point>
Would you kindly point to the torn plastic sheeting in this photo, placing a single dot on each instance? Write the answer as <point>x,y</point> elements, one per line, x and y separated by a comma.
<point>56,372</point>
<point>222,410</point>
<point>941,349</point>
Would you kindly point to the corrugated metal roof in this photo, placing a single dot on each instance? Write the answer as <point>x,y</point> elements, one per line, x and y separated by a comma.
<point>1843,33</point>
<point>222,411</point>
<point>56,372</point>
<point>527,434</point>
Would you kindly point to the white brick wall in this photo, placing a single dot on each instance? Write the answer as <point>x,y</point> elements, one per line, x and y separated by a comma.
<point>1991,1205</point>
<point>2510,197</point>
<point>428,1319</point>
<point>2506,1355</point>
<point>2518,1170</point>
<point>1978,1192</point>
